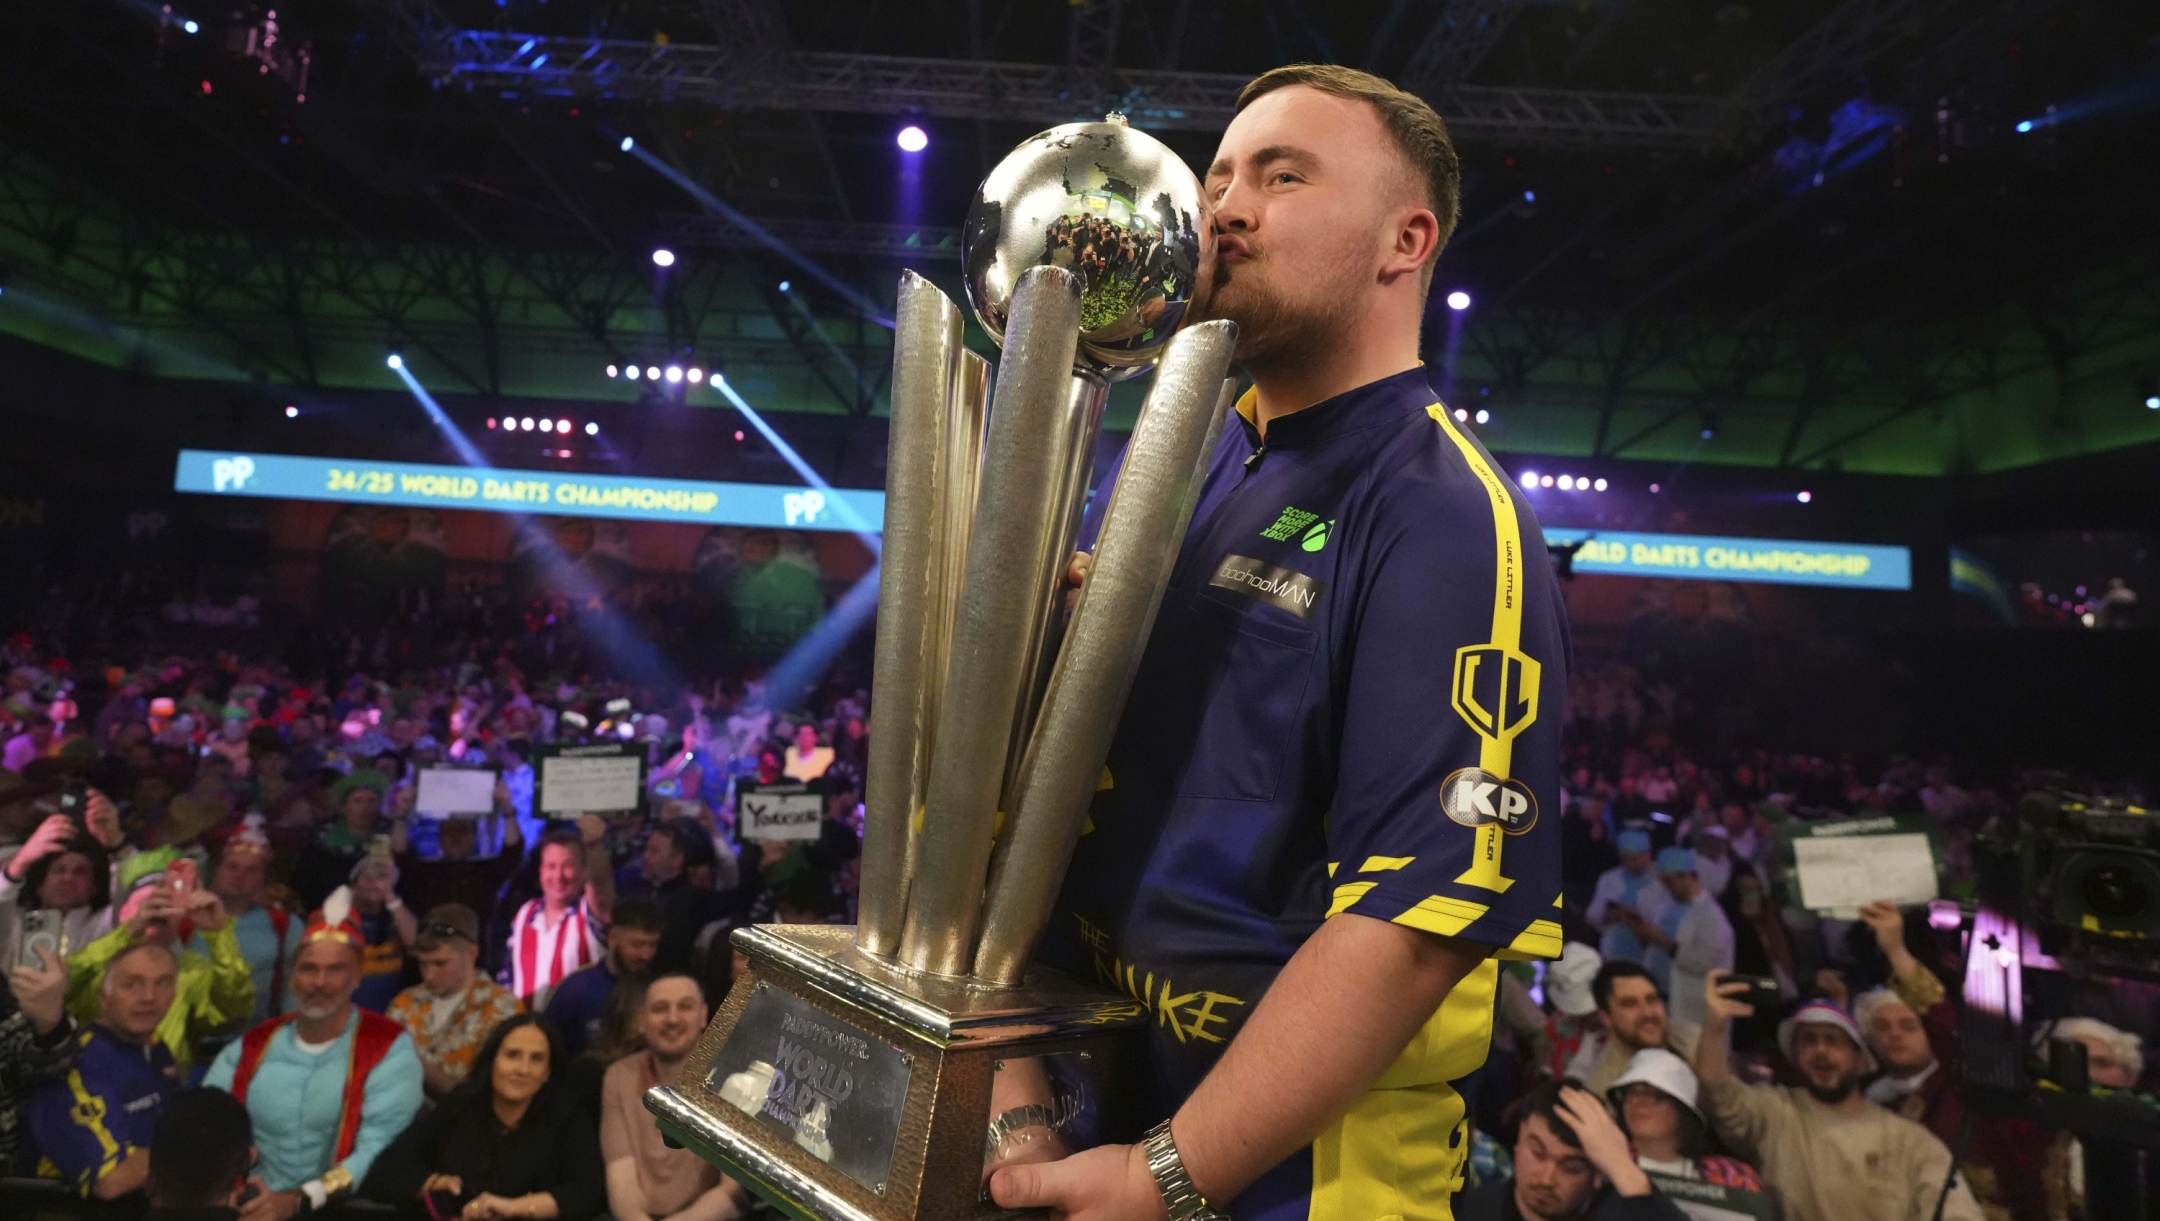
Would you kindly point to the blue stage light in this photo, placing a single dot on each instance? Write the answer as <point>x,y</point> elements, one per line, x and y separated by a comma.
<point>2025,126</point>
<point>631,372</point>
<point>1529,196</point>
<point>627,144</point>
<point>786,284</point>
<point>190,27</point>
<point>1805,496</point>
<point>291,412</point>
<point>663,257</point>
<point>592,430</point>
<point>1458,300</point>
<point>2152,402</point>
<point>913,139</point>
<point>396,361</point>
<point>674,373</point>
<point>1484,416</point>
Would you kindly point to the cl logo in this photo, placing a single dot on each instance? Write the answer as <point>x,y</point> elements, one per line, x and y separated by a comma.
<point>1496,690</point>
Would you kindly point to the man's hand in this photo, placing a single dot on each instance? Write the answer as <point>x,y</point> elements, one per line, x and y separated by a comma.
<point>591,828</point>
<point>102,818</point>
<point>271,1205</point>
<point>1108,1183</point>
<point>1888,924</point>
<point>159,905</point>
<point>401,806</point>
<point>206,910</point>
<point>1602,1141</point>
<point>1832,985</point>
<point>1076,576</point>
<point>41,991</point>
<point>443,1182</point>
<point>51,836</point>
<point>1719,1007</point>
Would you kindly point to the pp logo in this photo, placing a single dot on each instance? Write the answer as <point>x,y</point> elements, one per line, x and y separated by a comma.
<point>1475,797</point>
<point>231,474</point>
<point>1496,690</point>
<point>803,508</point>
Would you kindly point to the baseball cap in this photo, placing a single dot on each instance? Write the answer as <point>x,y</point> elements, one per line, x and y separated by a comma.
<point>1633,840</point>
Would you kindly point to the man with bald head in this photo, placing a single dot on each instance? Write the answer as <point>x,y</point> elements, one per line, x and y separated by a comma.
<point>1301,866</point>
<point>328,1085</point>
<point>92,1129</point>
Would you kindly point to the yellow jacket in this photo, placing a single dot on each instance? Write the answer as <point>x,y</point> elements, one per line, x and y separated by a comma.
<point>215,993</point>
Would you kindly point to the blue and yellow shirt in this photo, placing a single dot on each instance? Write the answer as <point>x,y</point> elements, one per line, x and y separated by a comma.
<point>1350,702</point>
<point>83,1125</point>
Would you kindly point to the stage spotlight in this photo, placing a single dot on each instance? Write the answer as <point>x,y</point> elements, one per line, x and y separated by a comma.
<point>695,375</point>
<point>1654,489</point>
<point>396,361</point>
<point>2025,126</point>
<point>1599,486</point>
<point>491,423</point>
<point>563,427</point>
<point>526,424</point>
<point>1708,432</point>
<point>1567,483</point>
<point>1461,416</point>
<point>1458,300</point>
<point>627,144</point>
<point>2152,402</point>
<point>1529,196</point>
<point>786,284</point>
<point>190,27</point>
<point>631,372</point>
<point>592,429</point>
<point>1806,496</point>
<point>1545,481</point>
<point>738,434</point>
<point>1529,479</point>
<point>1484,416</point>
<point>652,373</point>
<point>663,257</point>
<point>674,373</point>
<point>612,371</point>
<point>913,139</point>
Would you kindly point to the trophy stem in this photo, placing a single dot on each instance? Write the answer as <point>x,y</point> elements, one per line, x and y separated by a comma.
<point>1017,526</point>
<point>923,482</point>
<point>1134,555</point>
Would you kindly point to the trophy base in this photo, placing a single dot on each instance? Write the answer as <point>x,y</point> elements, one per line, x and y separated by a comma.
<point>840,1087</point>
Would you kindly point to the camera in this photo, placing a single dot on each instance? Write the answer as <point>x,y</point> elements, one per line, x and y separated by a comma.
<point>2084,873</point>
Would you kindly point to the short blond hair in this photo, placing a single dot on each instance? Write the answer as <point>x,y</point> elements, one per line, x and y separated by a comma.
<point>1419,133</point>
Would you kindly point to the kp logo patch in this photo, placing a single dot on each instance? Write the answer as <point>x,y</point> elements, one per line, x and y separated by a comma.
<point>1475,797</point>
<point>1496,690</point>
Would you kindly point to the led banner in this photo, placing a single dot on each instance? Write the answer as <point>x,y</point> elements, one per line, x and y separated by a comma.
<point>286,477</point>
<point>1782,561</point>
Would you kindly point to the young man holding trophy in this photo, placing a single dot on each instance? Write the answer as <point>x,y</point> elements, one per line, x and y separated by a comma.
<point>1323,812</point>
<point>1205,880</point>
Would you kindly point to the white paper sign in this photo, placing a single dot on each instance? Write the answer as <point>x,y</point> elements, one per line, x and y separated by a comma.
<point>1838,873</point>
<point>779,815</point>
<point>455,790</point>
<point>597,784</point>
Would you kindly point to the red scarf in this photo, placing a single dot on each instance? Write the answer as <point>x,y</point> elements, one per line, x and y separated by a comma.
<point>372,1041</point>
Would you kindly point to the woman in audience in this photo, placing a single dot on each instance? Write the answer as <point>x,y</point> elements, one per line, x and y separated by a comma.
<point>508,1143</point>
<point>1656,1099</point>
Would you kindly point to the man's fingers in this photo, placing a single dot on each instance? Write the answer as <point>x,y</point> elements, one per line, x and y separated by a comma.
<point>1038,1186</point>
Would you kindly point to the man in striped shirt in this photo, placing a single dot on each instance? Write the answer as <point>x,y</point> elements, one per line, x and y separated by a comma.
<point>565,928</point>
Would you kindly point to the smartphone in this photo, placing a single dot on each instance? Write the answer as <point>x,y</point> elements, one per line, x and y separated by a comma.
<point>75,803</point>
<point>40,928</point>
<point>181,879</point>
<point>1762,991</point>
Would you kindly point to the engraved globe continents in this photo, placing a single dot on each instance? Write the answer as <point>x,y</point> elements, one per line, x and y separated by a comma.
<point>1114,206</point>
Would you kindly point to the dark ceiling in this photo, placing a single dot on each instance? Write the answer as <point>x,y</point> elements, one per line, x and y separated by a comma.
<point>1793,234</point>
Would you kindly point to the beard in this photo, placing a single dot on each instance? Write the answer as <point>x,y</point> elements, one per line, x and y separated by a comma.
<point>1275,330</point>
<point>1831,1095</point>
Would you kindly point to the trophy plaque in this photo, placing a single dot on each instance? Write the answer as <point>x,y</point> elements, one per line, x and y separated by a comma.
<point>878,1073</point>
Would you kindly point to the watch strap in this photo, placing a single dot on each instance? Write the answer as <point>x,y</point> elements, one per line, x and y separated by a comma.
<point>1183,1201</point>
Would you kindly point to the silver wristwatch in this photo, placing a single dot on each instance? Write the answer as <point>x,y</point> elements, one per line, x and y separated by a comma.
<point>1178,1194</point>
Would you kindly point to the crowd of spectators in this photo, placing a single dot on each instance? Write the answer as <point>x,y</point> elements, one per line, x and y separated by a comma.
<point>218,871</point>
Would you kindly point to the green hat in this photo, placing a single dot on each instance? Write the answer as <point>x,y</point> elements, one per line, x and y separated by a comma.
<point>145,869</point>
<point>358,778</point>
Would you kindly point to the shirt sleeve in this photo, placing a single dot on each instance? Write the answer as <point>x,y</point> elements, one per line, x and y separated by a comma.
<point>231,995</point>
<point>392,1099</point>
<point>1445,815</point>
<point>70,1125</point>
<point>1746,1113</point>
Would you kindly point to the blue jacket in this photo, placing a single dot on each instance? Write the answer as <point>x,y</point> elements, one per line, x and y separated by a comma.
<point>84,1124</point>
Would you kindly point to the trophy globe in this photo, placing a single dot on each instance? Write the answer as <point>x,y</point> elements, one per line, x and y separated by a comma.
<point>1117,208</point>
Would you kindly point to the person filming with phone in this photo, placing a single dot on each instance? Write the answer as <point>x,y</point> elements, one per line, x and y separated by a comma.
<point>92,1129</point>
<point>1831,1153</point>
<point>160,903</point>
<point>60,882</point>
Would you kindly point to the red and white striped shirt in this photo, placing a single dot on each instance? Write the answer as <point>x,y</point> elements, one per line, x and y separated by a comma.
<point>540,956</point>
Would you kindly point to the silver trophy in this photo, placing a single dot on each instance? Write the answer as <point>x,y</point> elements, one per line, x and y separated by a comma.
<point>882,1071</point>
